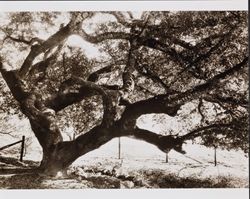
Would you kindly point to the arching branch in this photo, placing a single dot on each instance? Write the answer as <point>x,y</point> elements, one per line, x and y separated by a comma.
<point>76,89</point>
<point>202,130</point>
<point>53,41</point>
<point>164,143</point>
<point>93,77</point>
<point>200,90</point>
<point>17,87</point>
<point>127,76</point>
<point>50,43</point>
<point>228,100</point>
<point>200,104</point>
<point>101,37</point>
<point>23,40</point>
<point>145,71</point>
<point>171,103</point>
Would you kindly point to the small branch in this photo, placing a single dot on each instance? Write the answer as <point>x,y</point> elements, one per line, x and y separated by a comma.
<point>93,77</point>
<point>127,76</point>
<point>181,43</point>
<point>200,111</point>
<point>144,70</point>
<point>120,18</point>
<point>227,103</point>
<point>201,130</point>
<point>7,133</point>
<point>158,45</point>
<point>53,41</point>
<point>101,37</point>
<point>130,15</point>
<point>38,70</point>
<point>232,100</point>
<point>199,90</point>
<point>146,90</point>
<point>144,15</point>
<point>19,40</point>
<point>202,57</point>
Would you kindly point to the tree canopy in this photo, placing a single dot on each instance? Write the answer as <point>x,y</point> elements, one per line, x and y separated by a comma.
<point>186,65</point>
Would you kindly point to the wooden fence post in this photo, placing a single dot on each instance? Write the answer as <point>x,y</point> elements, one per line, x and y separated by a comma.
<point>166,157</point>
<point>215,156</point>
<point>119,148</point>
<point>22,148</point>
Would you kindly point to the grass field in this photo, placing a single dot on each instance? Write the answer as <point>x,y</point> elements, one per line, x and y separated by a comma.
<point>141,166</point>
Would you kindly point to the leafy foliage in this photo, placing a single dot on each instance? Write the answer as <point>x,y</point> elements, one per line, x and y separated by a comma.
<point>177,51</point>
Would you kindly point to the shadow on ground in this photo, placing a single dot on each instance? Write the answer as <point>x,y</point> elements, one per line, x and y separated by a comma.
<point>16,175</point>
<point>21,181</point>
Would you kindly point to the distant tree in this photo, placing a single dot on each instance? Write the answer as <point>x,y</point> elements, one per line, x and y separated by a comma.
<point>156,64</point>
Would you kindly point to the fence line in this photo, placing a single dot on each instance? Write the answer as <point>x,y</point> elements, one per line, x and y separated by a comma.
<point>119,148</point>
<point>22,141</point>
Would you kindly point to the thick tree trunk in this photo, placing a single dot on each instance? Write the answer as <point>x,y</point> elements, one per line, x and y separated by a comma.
<point>55,159</point>
<point>61,155</point>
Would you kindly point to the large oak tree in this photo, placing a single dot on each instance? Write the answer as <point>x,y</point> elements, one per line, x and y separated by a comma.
<point>155,64</point>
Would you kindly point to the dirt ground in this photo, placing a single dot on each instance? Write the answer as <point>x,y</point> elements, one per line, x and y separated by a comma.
<point>116,174</point>
<point>141,166</point>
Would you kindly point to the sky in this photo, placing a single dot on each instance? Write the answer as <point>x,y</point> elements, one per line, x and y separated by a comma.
<point>91,50</point>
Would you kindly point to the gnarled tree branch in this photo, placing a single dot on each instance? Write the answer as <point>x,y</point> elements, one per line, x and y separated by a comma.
<point>101,37</point>
<point>17,87</point>
<point>202,130</point>
<point>76,89</point>
<point>120,18</point>
<point>164,143</point>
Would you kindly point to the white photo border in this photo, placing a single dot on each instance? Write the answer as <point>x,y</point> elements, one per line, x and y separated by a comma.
<point>185,5</point>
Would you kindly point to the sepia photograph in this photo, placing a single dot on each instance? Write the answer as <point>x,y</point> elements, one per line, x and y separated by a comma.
<point>124,99</point>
